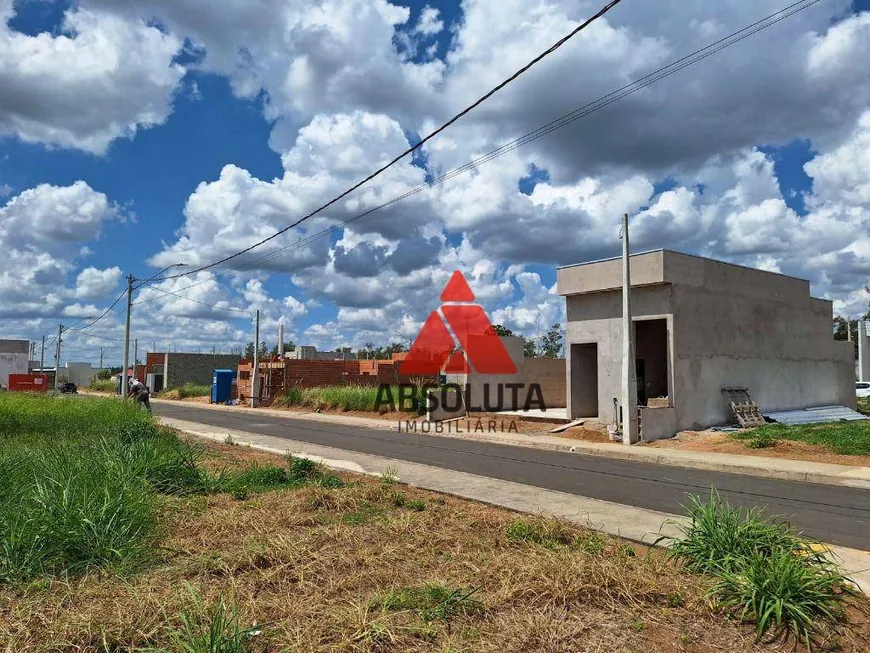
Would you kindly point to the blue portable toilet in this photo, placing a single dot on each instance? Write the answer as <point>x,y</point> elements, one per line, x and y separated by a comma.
<point>222,386</point>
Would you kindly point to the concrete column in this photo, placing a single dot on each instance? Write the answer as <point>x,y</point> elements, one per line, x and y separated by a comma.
<point>863,351</point>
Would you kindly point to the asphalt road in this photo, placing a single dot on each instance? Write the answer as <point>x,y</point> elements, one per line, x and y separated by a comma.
<point>837,515</point>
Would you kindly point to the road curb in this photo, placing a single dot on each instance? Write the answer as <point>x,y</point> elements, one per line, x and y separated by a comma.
<point>776,468</point>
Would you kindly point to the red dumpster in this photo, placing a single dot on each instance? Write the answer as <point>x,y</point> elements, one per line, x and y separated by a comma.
<point>28,383</point>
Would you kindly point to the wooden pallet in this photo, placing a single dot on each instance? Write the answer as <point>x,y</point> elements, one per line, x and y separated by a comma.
<point>744,409</point>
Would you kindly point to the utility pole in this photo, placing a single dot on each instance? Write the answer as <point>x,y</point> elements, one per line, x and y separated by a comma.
<point>32,350</point>
<point>629,382</point>
<point>255,377</point>
<point>57,357</point>
<point>127,336</point>
<point>101,359</point>
<point>135,358</point>
<point>42,357</point>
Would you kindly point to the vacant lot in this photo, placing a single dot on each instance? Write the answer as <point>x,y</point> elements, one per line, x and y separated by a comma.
<point>257,552</point>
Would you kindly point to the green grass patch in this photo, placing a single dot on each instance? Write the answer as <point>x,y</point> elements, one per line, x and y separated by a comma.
<point>552,534</point>
<point>848,438</point>
<point>185,391</point>
<point>765,572</point>
<point>761,440</point>
<point>864,405</point>
<point>430,602</point>
<point>341,397</point>
<point>338,397</point>
<point>364,514</point>
<point>81,481</point>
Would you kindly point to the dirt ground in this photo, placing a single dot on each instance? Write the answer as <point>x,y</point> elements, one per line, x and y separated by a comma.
<point>316,567</point>
<point>723,443</point>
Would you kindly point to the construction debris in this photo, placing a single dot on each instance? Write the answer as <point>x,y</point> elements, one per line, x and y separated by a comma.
<point>815,415</point>
<point>745,410</point>
<point>562,427</point>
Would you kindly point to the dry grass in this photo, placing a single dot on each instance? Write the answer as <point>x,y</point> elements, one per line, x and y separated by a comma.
<point>316,567</point>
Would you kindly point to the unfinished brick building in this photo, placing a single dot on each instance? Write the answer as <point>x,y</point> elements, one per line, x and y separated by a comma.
<point>279,375</point>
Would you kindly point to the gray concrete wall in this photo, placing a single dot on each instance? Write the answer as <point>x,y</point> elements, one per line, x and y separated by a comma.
<point>14,359</point>
<point>775,341</point>
<point>79,373</point>
<point>549,373</point>
<point>195,368</point>
<point>658,423</point>
<point>646,269</point>
<point>597,318</point>
<point>477,381</point>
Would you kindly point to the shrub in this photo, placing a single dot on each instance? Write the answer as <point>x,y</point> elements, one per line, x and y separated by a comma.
<point>782,593</point>
<point>765,572</point>
<point>104,385</point>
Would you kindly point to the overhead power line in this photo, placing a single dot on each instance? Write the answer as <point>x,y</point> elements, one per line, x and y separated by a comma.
<point>92,335</point>
<point>558,44</point>
<point>191,299</point>
<point>563,121</point>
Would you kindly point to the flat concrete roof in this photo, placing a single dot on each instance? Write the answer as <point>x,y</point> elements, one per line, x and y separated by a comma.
<point>674,251</point>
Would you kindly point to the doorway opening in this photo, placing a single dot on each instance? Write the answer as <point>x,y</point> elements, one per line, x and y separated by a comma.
<point>584,380</point>
<point>651,360</point>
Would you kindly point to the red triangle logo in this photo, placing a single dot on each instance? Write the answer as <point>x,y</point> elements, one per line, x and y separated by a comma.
<point>457,289</point>
<point>430,350</point>
<point>457,364</point>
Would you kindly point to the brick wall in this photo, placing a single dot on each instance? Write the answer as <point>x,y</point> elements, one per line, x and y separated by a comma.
<point>195,368</point>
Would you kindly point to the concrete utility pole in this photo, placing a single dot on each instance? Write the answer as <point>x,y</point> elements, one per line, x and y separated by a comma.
<point>57,357</point>
<point>135,358</point>
<point>863,351</point>
<point>42,357</point>
<point>629,382</point>
<point>255,377</point>
<point>101,359</point>
<point>130,280</point>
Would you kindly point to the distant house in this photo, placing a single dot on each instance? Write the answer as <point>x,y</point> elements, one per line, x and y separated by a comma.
<point>14,359</point>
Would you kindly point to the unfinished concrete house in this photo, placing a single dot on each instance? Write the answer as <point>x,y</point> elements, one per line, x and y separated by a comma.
<point>700,325</point>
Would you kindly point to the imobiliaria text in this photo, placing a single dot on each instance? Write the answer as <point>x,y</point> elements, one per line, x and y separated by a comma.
<point>473,351</point>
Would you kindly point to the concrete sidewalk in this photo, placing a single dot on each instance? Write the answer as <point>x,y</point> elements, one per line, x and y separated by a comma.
<point>791,470</point>
<point>636,524</point>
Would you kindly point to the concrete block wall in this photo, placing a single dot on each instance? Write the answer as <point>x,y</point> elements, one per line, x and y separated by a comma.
<point>195,368</point>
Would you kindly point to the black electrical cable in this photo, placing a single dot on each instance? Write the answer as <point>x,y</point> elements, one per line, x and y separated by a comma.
<point>418,145</point>
<point>558,123</point>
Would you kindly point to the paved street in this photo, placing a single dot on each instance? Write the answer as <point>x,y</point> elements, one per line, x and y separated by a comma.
<point>837,515</point>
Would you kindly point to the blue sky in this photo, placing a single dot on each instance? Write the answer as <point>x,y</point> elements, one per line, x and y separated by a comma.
<point>217,116</point>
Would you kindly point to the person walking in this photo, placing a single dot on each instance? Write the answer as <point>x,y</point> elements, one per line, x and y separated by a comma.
<point>140,393</point>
